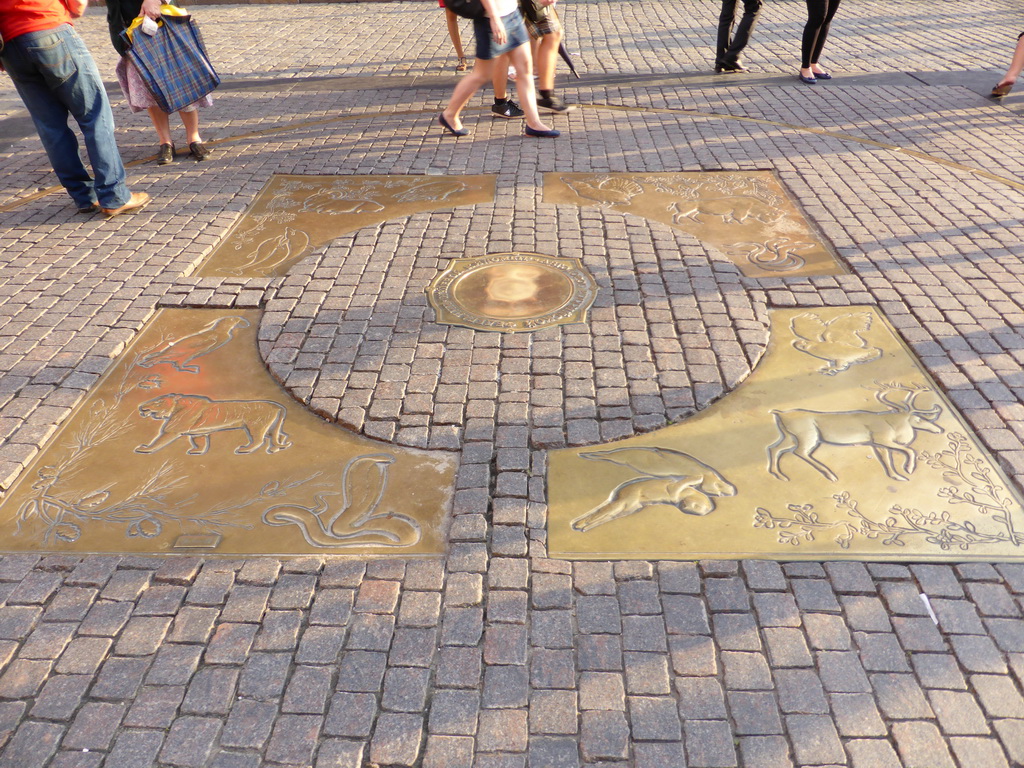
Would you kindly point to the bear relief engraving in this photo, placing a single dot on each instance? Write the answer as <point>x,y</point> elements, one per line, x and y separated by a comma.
<point>197,417</point>
<point>669,477</point>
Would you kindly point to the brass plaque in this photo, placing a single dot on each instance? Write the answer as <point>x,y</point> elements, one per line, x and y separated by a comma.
<point>511,292</point>
<point>187,445</point>
<point>838,446</point>
<point>745,214</point>
<point>292,215</point>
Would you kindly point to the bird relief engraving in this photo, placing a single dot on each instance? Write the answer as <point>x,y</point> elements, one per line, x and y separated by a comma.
<point>747,215</point>
<point>293,215</point>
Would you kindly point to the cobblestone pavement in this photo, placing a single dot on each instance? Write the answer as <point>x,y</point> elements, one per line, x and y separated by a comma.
<point>496,656</point>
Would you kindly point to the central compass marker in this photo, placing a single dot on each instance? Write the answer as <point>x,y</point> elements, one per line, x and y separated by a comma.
<point>510,292</point>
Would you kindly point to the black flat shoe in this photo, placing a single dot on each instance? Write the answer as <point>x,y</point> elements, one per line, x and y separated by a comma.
<point>166,156</point>
<point>91,208</point>
<point>808,80</point>
<point>822,76</point>
<point>199,151</point>
<point>447,127</point>
<point>552,134</point>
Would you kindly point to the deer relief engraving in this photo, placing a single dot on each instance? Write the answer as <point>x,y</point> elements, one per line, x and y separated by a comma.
<point>668,477</point>
<point>608,190</point>
<point>180,353</point>
<point>888,433</point>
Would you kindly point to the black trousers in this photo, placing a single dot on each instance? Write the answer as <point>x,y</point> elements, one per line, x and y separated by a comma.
<point>819,17</point>
<point>730,43</point>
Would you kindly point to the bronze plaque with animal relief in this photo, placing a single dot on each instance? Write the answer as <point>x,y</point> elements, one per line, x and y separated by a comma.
<point>292,215</point>
<point>838,446</point>
<point>747,215</point>
<point>188,445</point>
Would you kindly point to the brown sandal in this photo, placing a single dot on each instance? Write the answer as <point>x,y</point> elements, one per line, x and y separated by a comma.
<point>461,66</point>
<point>1001,90</point>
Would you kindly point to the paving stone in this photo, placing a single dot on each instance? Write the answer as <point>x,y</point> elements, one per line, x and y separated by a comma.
<point>881,652</point>
<point>827,632</point>
<point>856,715</point>
<point>553,712</point>
<point>787,647</point>
<point>604,734</point>
<point>351,715</point>
<point>133,748</point>
<point>872,753</point>
<point>552,669</point>
<point>700,698</point>
<point>709,744</point>
<point>919,635</point>
<point>800,691</point>
<point>815,740</point>
<point>155,707</point>
<point>746,671</point>
<point>264,674</point>
<point>958,713</point>
<point>191,741</point>
<point>1011,736</point>
<point>979,752</point>
<point>692,655</point>
<point>977,653</point>
<point>755,714</point>
<point>777,610</point>
<point>454,712</point>
<point>119,678</point>
<point>449,752</point>
<point>646,673</point>
<point>294,739</point>
<point>936,670</point>
<point>842,672</point>
<point>370,632</point>
<point>865,613</point>
<point>998,695</point>
<point>919,743</point>
<point>726,595</point>
<point>32,745</point>
<point>502,730</point>
<point>850,578</point>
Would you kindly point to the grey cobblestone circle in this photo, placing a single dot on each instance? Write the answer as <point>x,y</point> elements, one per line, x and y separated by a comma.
<point>673,328</point>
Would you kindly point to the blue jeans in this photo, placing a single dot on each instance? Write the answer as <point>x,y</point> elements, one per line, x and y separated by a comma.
<point>56,76</point>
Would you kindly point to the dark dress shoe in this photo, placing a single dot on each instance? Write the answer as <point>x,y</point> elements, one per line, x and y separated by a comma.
<point>91,208</point>
<point>166,156</point>
<point>822,76</point>
<point>552,134</point>
<point>728,69</point>
<point>447,126</point>
<point>808,80</point>
<point>198,150</point>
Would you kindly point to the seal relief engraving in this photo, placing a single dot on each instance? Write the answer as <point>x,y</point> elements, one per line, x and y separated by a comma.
<point>510,292</point>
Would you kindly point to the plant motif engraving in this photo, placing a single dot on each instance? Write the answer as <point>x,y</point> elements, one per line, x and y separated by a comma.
<point>888,433</point>
<point>972,484</point>
<point>363,484</point>
<point>667,477</point>
<point>780,254</point>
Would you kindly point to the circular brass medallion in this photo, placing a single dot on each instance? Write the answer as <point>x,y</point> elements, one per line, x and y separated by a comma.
<point>511,292</point>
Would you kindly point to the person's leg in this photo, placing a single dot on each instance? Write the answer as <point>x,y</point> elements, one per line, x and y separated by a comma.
<point>65,67</point>
<point>819,44</point>
<point>816,10</point>
<point>751,10</point>
<point>547,56</point>
<point>726,19</point>
<point>50,117</point>
<point>499,78</point>
<point>523,63</point>
<point>162,122</point>
<point>1016,67</point>
<point>190,119</point>
<point>455,35</point>
<point>481,73</point>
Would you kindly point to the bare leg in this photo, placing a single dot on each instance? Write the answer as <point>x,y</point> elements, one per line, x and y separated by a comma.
<point>466,87</point>
<point>162,123</point>
<point>500,77</point>
<point>190,120</point>
<point>523,63</point>
<point>545,57</point>
<point>453,32</point>
<point>1016,65</point>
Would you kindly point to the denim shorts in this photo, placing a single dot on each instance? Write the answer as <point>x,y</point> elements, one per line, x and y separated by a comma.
<point>514,28</point>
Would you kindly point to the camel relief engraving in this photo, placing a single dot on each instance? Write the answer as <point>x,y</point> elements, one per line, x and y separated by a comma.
<point>179,353</point>
<point>887,433</point>
<point>839,342</point>
<point>363,483</point>
<point>197,417</point>
<point>668,477</point>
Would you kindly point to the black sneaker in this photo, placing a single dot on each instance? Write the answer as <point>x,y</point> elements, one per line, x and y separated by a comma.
<point>507,108</point>
<point>554,104</point>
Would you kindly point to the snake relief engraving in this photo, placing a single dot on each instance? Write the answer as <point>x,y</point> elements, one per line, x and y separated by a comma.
<point>356,521</point>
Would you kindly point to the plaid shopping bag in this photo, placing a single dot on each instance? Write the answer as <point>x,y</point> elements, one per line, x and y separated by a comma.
<point>173,63</point>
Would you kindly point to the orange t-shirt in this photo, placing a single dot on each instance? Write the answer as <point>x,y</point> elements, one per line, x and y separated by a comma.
<point>20,16</point>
